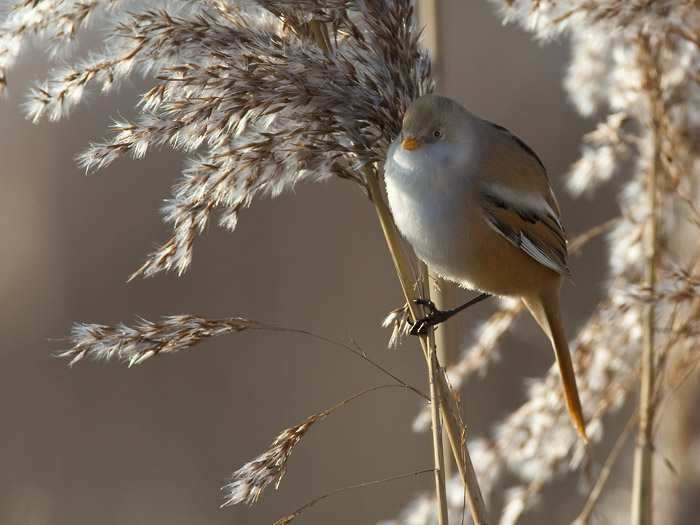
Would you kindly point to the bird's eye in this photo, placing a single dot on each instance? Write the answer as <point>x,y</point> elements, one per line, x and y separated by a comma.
<point>437,133</point>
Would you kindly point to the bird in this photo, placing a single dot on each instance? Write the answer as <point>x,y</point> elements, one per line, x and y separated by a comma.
<point>474,202</point>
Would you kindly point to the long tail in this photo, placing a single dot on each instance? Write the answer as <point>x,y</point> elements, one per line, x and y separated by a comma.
<point>545,309</point>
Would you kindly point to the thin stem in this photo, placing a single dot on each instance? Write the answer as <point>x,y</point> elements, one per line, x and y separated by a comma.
<point>438,451</point>
<point>444,340</point>
<point>429,17</point>
<point>406,284</point>
<point>290,517</point>
<point>642,487</point>
<point>356,350</point>
<point>446,401</point>
<point>445,297</point>
<point>439,389</point>
<point>439,343</point>
<point>445,347</point>
<point>593,497</point>
<point>402,268</point>
<point>429,350</point>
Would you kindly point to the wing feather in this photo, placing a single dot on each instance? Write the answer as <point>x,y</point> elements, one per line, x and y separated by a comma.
<point>537,232</point>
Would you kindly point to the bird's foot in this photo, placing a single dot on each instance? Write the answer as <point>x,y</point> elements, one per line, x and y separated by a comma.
<point>435,317</point>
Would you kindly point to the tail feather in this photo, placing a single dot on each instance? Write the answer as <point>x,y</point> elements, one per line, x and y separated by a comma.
<point>547,313</point>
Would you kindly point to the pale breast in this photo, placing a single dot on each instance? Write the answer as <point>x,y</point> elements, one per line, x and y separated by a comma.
<point>430,215</point>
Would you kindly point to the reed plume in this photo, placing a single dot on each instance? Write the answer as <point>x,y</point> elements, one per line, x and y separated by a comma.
<point>242,88</point>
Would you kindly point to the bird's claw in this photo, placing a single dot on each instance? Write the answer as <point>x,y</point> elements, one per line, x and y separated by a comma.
<point>420,327</point>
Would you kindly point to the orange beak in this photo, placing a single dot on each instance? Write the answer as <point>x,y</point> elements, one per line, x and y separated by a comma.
<point>410,143</point>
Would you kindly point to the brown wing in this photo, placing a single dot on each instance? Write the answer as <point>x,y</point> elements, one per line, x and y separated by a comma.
<point>539,234</point>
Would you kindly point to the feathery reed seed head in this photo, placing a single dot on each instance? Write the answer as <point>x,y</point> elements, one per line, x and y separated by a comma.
<point>243,88</point>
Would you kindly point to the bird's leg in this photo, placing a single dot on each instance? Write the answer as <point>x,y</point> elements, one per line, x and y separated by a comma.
<point>435,317</point>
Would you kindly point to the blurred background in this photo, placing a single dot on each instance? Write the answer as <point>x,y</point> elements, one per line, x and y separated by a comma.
<point>101,443</point>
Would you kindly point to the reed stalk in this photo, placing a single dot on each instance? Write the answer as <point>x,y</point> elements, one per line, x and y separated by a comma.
<point>442,399</point>
<point>444,295</point>
<point>642,483</point>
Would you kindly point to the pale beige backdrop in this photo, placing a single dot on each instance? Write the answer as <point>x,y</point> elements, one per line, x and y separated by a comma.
<point>103,444</point>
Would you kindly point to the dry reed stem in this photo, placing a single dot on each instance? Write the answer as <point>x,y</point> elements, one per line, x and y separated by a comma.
<point>249,482</point>
<point>135,344</point>
<point>452,419</point>
<point>405,280</point>
<point>593,497</point>
<point>443,295</point>
<point>438,448</point>
<point>642,484</point>
<point>147,339</point>
<point>289,517</point>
